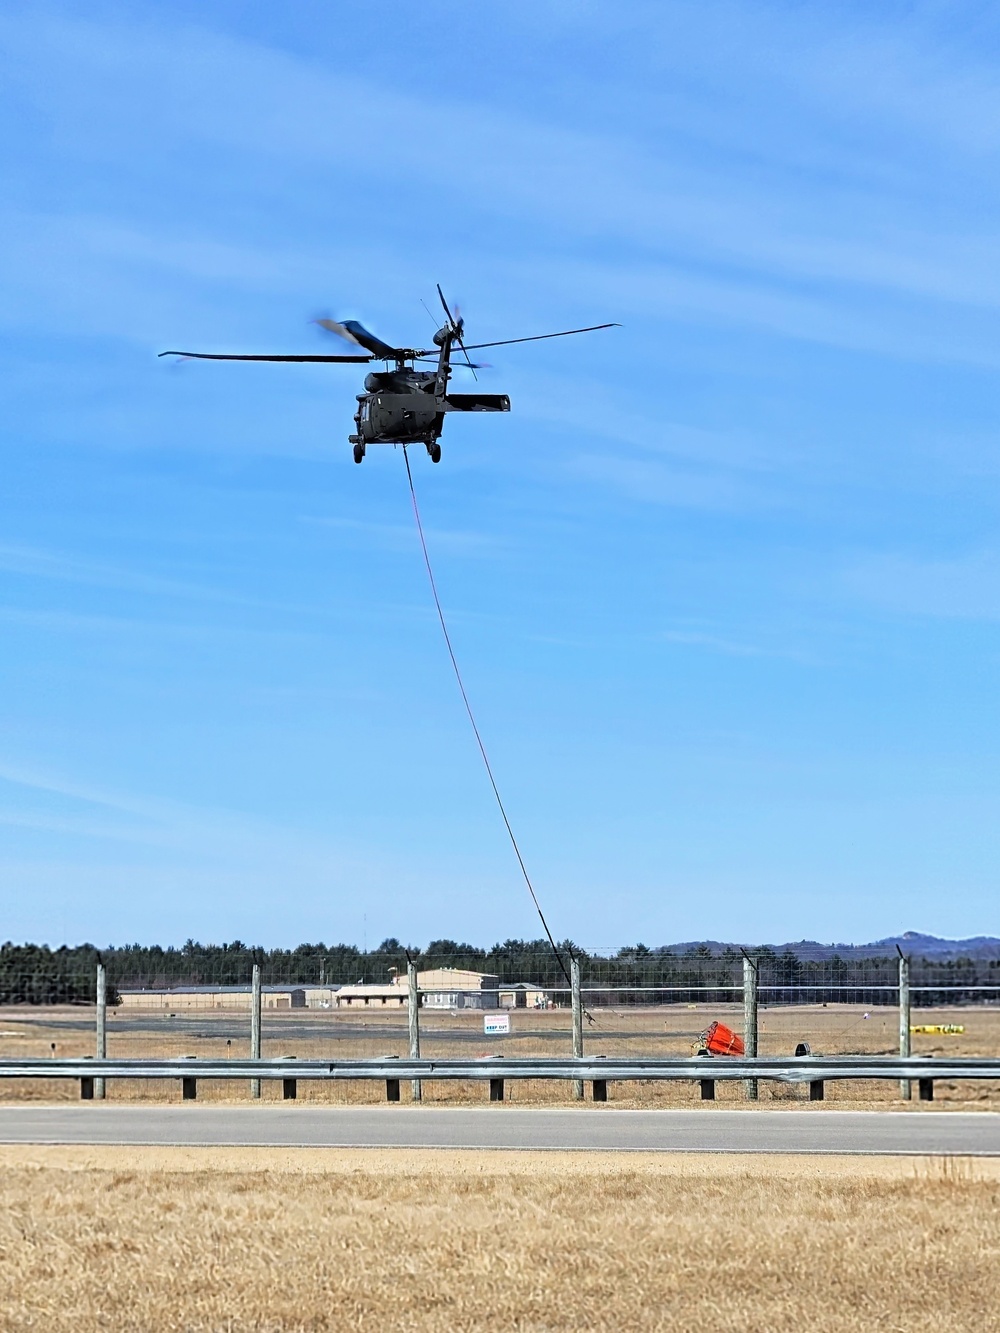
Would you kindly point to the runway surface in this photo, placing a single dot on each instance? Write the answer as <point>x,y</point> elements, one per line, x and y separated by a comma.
<point>701,1131</point>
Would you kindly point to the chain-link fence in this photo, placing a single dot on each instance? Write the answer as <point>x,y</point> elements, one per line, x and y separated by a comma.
<point>344,1004</point>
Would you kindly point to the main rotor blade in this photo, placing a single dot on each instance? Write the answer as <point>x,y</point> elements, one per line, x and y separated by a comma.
<point>539,337</point>
<point>356,333</point>
<point>229,356</point>
<point>340,330</point>
<point>473,365</point>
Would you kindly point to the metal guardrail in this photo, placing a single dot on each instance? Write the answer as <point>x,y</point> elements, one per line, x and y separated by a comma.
<point>787,1069</point>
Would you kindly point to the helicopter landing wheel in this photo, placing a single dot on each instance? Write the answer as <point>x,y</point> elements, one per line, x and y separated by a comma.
<point>359,452</point>
<point>435,452</point>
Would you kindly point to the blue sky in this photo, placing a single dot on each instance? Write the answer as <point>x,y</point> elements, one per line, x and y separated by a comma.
<point>725,584</point>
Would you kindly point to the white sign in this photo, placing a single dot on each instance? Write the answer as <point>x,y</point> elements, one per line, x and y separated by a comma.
<point>496,1025</point>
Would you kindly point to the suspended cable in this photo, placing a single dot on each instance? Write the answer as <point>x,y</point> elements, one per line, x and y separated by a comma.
<point>472,719</point>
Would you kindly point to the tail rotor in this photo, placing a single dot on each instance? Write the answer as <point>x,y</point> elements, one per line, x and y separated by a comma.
<point>456,325</point>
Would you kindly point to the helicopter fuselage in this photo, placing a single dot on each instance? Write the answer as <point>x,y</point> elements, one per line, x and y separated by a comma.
<point>399,407</point>
<point>408,406</point>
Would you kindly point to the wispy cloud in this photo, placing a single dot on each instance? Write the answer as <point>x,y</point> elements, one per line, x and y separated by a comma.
<point>962,587</point>
<point>698,639</point>
<point>663,483</point>
<point>67,567</point>
<point>43,800</point>
<point>738,248</point>
<point>403,536</point>
<point>713,642</point>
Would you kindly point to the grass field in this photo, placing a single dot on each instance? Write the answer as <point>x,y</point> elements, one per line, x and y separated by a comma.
<point>670,1030</point>
<point>288,1240</point>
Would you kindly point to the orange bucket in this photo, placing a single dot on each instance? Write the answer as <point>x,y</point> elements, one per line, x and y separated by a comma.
<point>721,1040</point>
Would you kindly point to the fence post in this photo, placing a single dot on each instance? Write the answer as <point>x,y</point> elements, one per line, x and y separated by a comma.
<point>414,1017</point>
<point>255,1026</point>
<point>750,1022</point>
<point>574,978</point>
<point>905,1085</point>
<point>101,1051</point>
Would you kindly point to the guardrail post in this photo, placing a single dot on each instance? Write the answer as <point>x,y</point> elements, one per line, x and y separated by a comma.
<point>496,1086</point>
<point>600,1086</point>
<point>86,1089</point>
<point>707,1084</point>
<point>392,1084</point>
<point>101,1050</point>
<point>574,982</point>
<point>189,1086</point>
<point>925,1089</point>
<point>905,1084</point>
<point>816,1090</point>
<point>750,1022</point>
<point>414,1017</point>
<point>289,1087</point>
<point>255,1026</point>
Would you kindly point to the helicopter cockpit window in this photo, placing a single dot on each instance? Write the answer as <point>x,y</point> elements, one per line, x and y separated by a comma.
<point>366,409</point>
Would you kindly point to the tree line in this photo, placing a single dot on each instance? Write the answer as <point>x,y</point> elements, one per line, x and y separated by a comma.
<point>35,974</point>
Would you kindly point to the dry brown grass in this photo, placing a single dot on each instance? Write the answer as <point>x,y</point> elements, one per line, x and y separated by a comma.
<point>671,1030</point>
<point>421,1241</point>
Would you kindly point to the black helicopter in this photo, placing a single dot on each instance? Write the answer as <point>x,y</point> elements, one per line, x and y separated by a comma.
<point>405,405</point>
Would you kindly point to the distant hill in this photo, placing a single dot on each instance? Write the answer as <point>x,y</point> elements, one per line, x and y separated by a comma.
<point>911,942</point>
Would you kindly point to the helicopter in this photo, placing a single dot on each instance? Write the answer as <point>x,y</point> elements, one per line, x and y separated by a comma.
<point>405,405</point>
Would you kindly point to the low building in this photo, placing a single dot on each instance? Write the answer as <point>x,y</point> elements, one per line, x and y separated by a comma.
<point>524,995</point>
<point>457,988</point>
<point>174,999</point>
<point>440,988</point>
<point>393,995</point>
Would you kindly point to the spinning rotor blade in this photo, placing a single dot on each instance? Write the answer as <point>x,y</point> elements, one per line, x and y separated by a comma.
<point>445,304</point>
<point>539,337</point>
<point>340,330</point>
<point>353,332</point>
<point>457,328</point>
<point>473,365</point>
<point>229,356</point>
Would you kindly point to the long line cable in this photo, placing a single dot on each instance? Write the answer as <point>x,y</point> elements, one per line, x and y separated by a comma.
<point>472,719</point>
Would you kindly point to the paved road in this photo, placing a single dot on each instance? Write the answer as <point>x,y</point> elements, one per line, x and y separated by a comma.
<point>707,1130</point>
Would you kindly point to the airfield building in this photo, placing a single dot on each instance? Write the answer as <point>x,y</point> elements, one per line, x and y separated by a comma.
<point>178,998</point>
<point>441,988</point>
